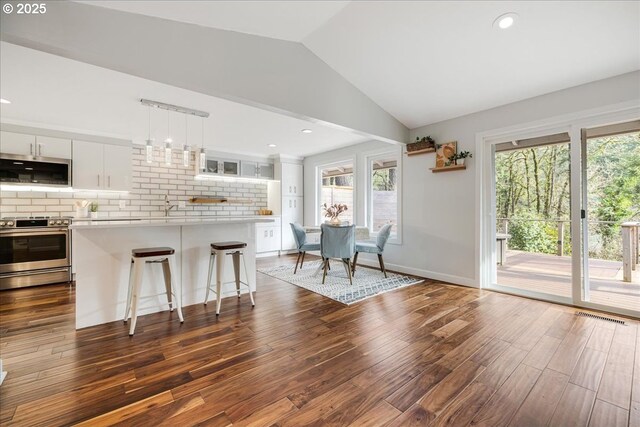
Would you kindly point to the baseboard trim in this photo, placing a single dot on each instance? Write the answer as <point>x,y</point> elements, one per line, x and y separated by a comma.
<point>458,280</point>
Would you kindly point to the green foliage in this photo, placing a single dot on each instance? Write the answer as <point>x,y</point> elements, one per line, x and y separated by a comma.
<point>534,183</point>
<point>531,236</point>
<point>385,179</point>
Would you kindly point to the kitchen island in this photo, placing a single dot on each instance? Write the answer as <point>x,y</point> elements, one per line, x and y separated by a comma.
<point>101,257</point>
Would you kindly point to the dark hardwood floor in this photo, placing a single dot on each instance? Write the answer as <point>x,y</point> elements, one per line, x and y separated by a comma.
<point>428,355</point>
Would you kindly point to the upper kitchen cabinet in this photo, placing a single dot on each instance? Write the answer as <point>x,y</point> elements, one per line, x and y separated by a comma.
<point>101,167</point>
<point>58,148</point>
<point>291,178</point>
<point>32,145</point>
<point>117,167</point>
<point>217,166</point>
<point>17,143</point>
<point>256,170</point>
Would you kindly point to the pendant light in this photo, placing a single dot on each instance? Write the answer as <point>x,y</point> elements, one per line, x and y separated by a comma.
<point>185,148</point>
<point>149,146</point>
<point>203,155</point>
<point>168,141</point>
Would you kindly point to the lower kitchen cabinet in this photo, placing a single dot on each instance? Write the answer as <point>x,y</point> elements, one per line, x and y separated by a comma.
<point>268,237</point>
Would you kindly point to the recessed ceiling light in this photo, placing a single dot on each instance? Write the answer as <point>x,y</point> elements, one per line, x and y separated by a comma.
<point>506,20</point>
<point>306,131</point>
<point>4,101</point>
<point>271,145</point>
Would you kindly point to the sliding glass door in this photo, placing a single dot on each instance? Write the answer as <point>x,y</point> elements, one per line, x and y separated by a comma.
<point>533,217</point>
<point>611,203</point>
<point>565,217</point>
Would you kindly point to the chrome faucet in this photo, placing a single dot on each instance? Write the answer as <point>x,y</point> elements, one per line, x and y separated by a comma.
<point>167,205</point>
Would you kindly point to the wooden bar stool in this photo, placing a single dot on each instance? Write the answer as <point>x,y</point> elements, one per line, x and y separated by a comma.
<point>218,252</point>
<point>139,258</point>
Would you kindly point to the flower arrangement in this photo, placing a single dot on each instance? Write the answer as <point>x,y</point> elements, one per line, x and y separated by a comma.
<point>333,212</point>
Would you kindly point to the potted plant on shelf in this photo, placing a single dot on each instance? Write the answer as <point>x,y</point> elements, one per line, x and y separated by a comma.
<point>333,212</point>
<point>458,158</point>
<point>421,144</point>
<point>93,207</point>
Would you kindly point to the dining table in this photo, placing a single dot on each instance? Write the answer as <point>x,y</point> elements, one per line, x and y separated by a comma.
<point>313,231</point>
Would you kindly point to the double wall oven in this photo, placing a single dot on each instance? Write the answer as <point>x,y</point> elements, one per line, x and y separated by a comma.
<point>34,251</point>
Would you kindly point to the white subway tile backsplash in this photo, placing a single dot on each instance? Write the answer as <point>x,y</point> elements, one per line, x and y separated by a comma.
<point>150,183</point>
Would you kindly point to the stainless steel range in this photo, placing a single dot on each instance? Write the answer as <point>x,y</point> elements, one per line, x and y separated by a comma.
<point>34,251</point>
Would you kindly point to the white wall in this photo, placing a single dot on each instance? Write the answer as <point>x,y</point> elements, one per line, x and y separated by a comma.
<point>439,210</point>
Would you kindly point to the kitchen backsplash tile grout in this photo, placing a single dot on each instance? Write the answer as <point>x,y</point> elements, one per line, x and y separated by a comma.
<point>150,183</point>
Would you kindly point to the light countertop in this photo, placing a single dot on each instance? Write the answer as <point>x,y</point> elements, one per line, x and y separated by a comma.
<point>84,224</point>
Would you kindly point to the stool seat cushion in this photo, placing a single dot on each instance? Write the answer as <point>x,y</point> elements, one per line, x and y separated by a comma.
<point>151,252</point>
<point>228,245</point>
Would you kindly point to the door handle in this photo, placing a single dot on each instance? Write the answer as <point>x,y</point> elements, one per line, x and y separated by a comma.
<point>98,180</point>
<point>266,233</point>
<point>295,203</point>
<point>290,205</point>
<point>271,233</point>
<point>31,149</point>
<point>295,189</point>
<point>290,190</point>
<point>109,181</point>
<point>40,150</point>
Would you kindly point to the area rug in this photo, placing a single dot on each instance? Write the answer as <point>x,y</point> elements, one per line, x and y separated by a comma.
<point>367,282</point>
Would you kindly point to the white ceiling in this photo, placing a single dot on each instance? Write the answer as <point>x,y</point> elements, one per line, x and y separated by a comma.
<point>427,61</point>
<point>424,62</point>
<point>54,92</point>
<point>286,20</point>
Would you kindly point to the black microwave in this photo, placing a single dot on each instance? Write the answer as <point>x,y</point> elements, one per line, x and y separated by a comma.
<point>29,170</point>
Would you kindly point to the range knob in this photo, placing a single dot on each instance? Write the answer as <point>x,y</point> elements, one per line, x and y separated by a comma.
<point>2,223</point>
<point>9,223</point>
<point>58,222</point>
<point>65,222</point>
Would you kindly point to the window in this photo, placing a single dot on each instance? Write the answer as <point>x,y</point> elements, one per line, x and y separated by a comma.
<point>337,187</point>
<point>384,184</point>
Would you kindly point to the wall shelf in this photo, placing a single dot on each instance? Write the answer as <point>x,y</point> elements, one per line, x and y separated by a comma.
<point>203,200</point>
<point>423,151</point>
<point>448,168</point>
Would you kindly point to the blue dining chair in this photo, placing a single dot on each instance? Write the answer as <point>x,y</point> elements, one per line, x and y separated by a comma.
<point>337,242</point>
<point>374,247</point>
<point>300,236</point>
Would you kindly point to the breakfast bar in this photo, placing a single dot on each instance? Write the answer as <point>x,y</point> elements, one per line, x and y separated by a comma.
<point>102,258</point>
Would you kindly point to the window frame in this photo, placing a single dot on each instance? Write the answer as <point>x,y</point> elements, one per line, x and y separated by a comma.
<point>344,162</point>
<point>395,238</point>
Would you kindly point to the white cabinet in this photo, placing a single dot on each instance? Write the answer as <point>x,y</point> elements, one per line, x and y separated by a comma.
<point>88,165</point>
<point>221,167</point>
<point>256,170</point>
<point>291,178</point>
<point>292,211</point>
<point>32,145</point>
<point>267,237</point>
<point>101,167</point>
<point>117,167</point>
<point>17,143</point>
<point>58,148</point>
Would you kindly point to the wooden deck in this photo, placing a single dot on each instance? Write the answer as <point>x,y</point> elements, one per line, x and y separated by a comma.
<point>551,274</point>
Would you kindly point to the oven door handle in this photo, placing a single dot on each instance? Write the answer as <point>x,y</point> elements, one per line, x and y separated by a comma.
<point>15,232</point>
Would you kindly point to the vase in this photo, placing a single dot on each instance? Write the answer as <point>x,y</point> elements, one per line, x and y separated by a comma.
<point>94,215</point>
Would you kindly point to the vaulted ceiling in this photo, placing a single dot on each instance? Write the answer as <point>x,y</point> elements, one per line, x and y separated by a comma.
<point>427,61</point>
<point>352,71</point>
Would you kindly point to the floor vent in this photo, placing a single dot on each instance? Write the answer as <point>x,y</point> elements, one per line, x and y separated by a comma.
<point>595,316</point>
